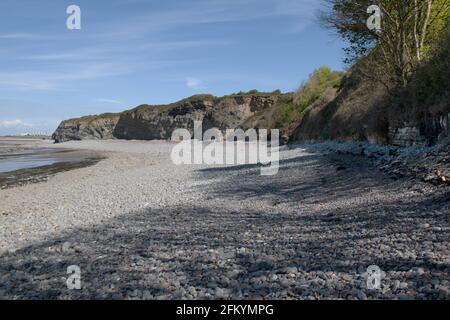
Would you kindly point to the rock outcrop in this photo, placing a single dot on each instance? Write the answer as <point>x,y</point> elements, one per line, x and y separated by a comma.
<point>148,122</point>
<point>428,129</point>
<point>87,128</point>
<point>407,136</point>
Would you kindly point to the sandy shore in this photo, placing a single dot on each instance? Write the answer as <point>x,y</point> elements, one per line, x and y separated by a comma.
<point>140,227</point>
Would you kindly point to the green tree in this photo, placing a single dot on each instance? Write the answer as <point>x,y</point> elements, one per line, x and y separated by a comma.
<point>409,28</point>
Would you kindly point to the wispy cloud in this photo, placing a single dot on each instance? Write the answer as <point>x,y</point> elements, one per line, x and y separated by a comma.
<point>117,52</point>
<point>27,36</point>
<point>17,36</point>
<point>14,124</point>
<point>171,45</point>
<point>190,13</point>
<point>195,83</point>
<point>59,56</point>
<point>108,101</point>
<point>302,13</point>
<point>35,80</point>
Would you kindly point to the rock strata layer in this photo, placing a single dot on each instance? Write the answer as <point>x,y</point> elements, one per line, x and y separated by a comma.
<point>147,122</point>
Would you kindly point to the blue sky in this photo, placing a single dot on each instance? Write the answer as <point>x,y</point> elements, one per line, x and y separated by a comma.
<point>130,52</point>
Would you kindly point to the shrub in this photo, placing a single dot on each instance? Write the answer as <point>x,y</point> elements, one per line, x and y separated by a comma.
<point>321,79</point>
<point>309,92</point>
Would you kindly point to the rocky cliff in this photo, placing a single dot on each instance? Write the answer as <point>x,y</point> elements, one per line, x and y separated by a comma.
<point>87,128</point>
<point>355,111</point>
<point>150,122</point>
<point>364,110</point>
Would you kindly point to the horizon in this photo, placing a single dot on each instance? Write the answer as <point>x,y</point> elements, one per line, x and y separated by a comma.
<point>129,53</point>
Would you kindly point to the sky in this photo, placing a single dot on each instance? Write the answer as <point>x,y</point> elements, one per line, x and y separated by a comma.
<point>132,52</point>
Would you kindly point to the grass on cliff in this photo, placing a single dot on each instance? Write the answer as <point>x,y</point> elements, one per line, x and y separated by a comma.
<point>199,97</point>
<point>89,118</point>
<point>256,92</point>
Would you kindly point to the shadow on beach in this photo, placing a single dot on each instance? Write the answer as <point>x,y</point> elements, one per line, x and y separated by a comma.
<point>204,252</point>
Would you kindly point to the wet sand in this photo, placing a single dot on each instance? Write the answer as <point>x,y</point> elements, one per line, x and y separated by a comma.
<point>25,160</point>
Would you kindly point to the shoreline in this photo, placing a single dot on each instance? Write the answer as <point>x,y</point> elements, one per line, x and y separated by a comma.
<point>18,178</point>
<point>33,160</point>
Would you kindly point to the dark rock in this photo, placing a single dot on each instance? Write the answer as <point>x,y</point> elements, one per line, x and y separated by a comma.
<point>147,122</point>
<point>87,128</point>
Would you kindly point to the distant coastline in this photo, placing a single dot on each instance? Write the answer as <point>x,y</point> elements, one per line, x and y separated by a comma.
<point>26,136</point>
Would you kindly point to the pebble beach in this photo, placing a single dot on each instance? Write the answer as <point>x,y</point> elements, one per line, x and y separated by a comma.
<point>140,227</point>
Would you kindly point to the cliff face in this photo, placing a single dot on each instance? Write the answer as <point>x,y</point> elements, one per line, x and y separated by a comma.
<point>347,117</point>
<point>364,110</point>
<point>87,128</point>
<point>148,122</point>
<point>355,111</point>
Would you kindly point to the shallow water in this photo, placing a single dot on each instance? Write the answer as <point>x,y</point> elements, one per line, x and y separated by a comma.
<point>15,156</point>
<point>26,161</point>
